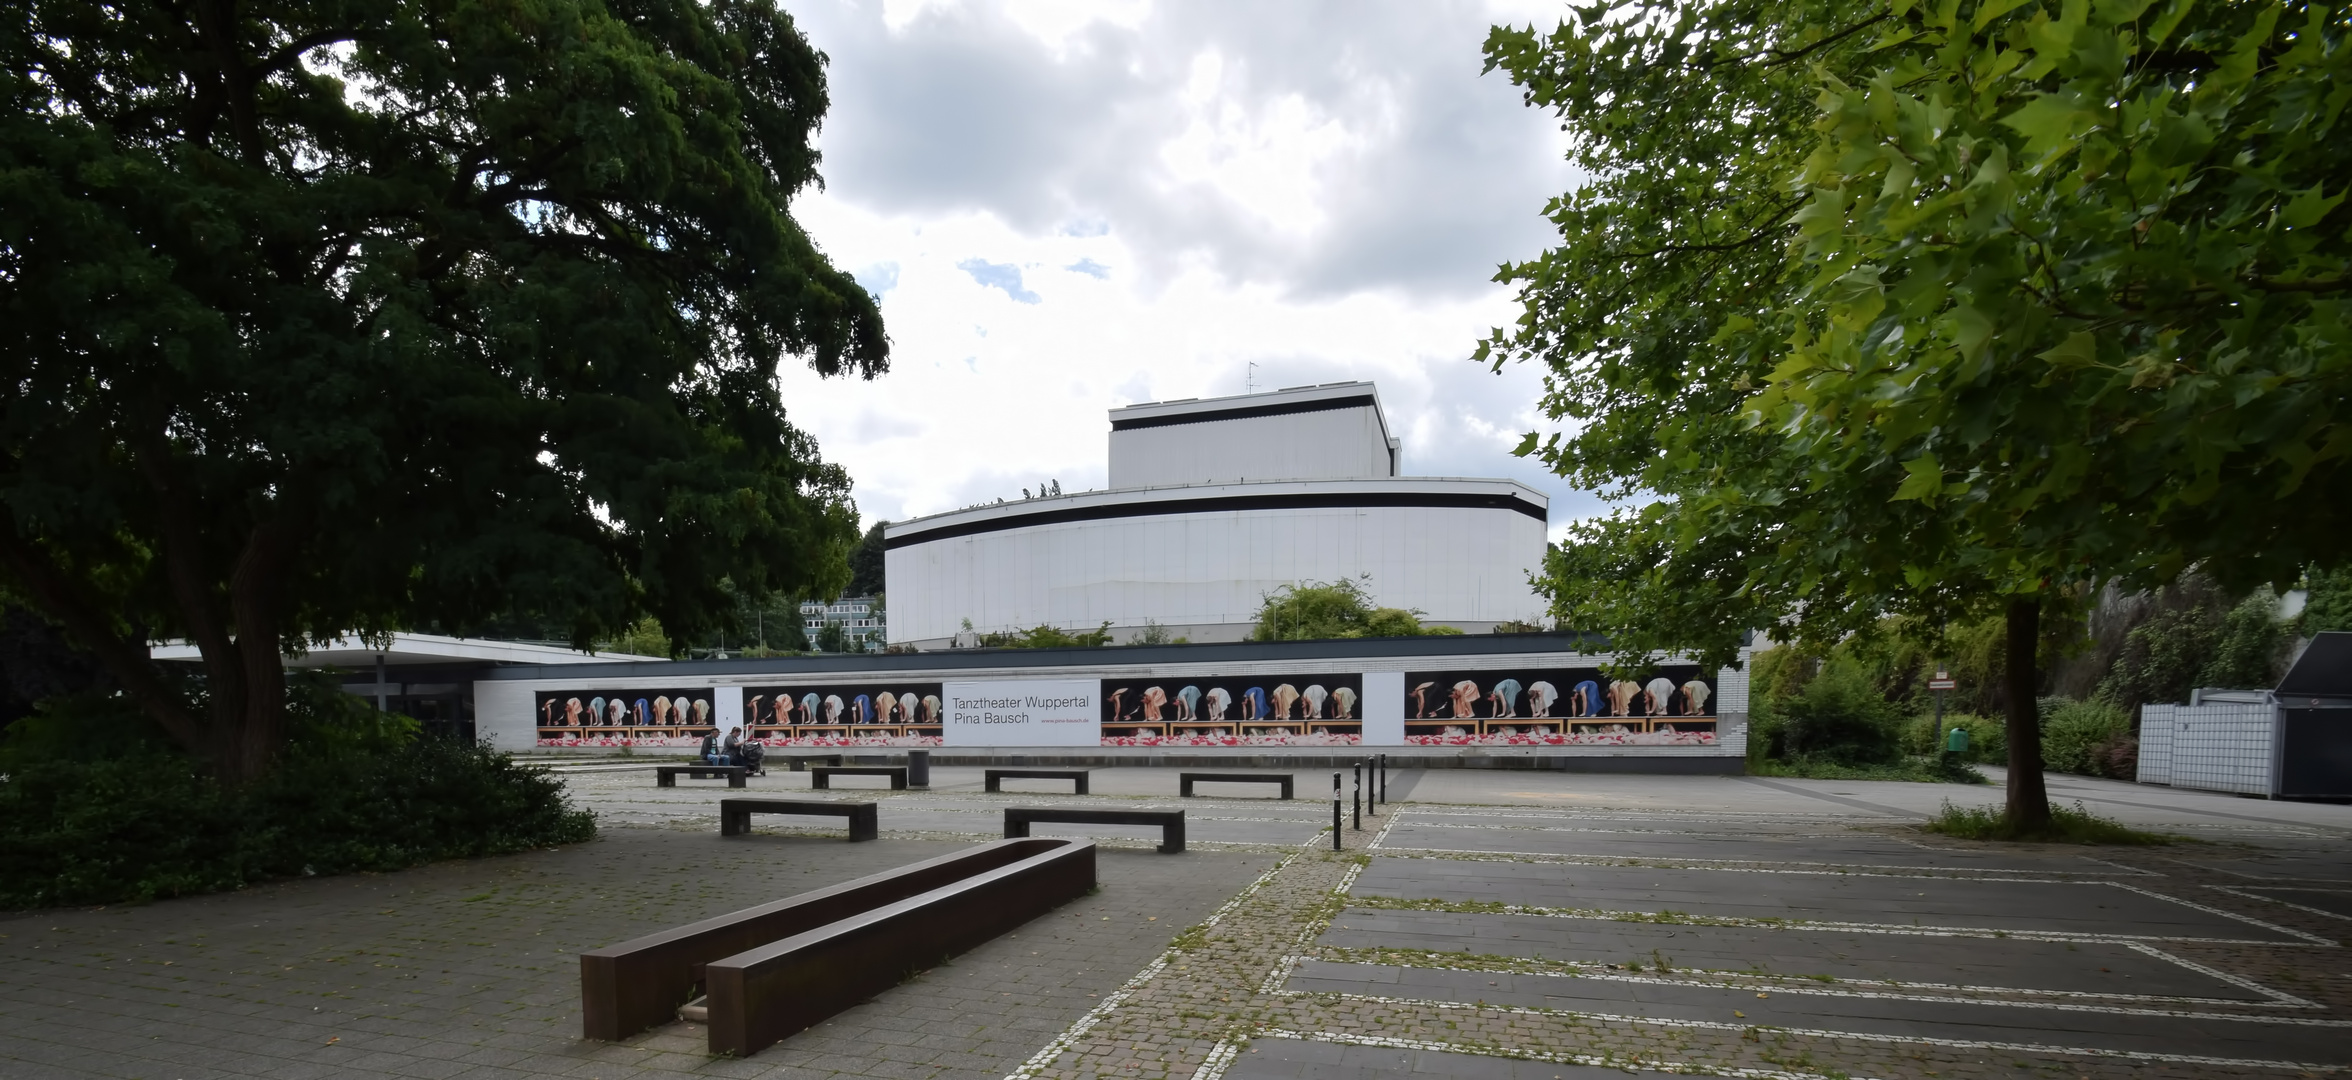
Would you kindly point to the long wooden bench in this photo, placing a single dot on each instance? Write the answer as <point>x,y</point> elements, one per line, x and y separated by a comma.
<point>1186,780</point>
<point>1171,822</point>
<point>993,779</point>
<point>667,775</point>
<point>800,762</point>
<point>865,821</point>
<point>821,776</point>
<point>782,966</point>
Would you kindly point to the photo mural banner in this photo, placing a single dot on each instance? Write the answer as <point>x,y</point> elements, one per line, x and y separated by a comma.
<point>625,717</point>
<point>1671,705</point>
<point>875,712</point>
<point>1237,710</point>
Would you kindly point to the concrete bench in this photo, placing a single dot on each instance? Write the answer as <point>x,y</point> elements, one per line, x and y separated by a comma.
<point>864,817</point>
<point>821,776</point>
<point>801,762</point>
<point>1186,780</point>
<point>667,775</point>
<point>783,966</point>
<point>995,778</point>
<point>1171,822</point>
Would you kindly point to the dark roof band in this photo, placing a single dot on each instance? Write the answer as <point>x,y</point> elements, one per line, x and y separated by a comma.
<point>1280,408</point>
<point>1301,500</point>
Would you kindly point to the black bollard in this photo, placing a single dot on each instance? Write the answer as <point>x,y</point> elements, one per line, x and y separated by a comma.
<point>1384,779</point>
<point>1356,794</point>
<point>1335,811</point>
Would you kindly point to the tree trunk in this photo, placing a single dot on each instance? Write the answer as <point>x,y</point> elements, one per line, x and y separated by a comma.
<point>2029,801</point>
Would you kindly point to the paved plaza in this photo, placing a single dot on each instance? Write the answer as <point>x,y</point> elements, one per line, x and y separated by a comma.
<point>1485,924</point>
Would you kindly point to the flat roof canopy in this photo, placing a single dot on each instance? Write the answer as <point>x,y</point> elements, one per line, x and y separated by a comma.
<point>419,649</point>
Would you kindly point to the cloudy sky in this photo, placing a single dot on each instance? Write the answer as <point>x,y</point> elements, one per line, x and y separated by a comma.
<point>1067,207</point>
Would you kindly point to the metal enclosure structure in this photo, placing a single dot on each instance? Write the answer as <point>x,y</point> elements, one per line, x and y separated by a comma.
<point>1212,504</point>
<point>2291,742</point>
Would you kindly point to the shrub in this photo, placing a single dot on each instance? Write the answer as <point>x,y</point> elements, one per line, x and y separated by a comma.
<point>1988,736</point>
<point>2085,737</point>
<point>354,791</point>
<point>1839,717</point>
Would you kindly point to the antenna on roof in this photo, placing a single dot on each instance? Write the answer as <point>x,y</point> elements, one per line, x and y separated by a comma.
<point>1250,379</point>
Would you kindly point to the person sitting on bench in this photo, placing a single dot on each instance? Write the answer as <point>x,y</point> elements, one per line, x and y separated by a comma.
<point>714,752</point>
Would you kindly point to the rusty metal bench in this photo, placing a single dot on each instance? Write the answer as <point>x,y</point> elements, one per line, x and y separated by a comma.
<point>821,776</point>
<point>1171,822</point>
<point>993,779</point>
<point>1185,781</point>
<point>864,817</point>
<point>667,775</point>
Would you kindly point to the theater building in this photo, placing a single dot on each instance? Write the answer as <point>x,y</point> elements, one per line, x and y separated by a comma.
<point>1212,504</point>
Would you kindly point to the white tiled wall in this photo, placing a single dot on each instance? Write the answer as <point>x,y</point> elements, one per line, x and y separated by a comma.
<point>2210,747</point>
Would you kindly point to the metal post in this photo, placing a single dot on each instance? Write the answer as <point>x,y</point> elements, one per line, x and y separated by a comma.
<point>1356,795</point>
<point>1335,811</point>
<point>1384,779</point>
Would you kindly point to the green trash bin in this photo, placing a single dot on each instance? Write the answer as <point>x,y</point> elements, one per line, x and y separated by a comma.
<point>1957,741</point>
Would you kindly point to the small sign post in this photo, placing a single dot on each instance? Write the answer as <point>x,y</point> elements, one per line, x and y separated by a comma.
<point>1942,682</point>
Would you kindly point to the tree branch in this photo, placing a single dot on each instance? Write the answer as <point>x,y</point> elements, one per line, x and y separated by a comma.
<point>59,596</point>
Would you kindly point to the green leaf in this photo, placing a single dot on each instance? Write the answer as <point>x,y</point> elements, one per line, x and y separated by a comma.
<point>2308,207</point>
<point>1994,9</point>
<point>1924,479</point>
<point>2167,20</point>
<point>2080,349</point>
<point>1526,445</point>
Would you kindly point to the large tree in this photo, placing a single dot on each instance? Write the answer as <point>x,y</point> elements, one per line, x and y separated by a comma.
<point>1937,310</point>
<point>343,315</point>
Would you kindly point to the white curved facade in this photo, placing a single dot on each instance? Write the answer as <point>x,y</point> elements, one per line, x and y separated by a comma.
<point>1213,504</point>
<point>1459,550</point>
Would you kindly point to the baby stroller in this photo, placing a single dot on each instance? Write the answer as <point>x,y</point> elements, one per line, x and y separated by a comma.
<point>755,757</point>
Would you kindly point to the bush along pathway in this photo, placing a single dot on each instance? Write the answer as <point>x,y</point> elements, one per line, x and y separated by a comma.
<point>1225,992</point>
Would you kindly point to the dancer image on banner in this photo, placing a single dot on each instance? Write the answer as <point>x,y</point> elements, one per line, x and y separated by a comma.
<point>930,708</point>
<point>1343,703</point>
<point>1694,698</point>
<point>616,713</point>
<point>701,712</point>
<point>1218,701</point>
<point>886,706</point>
<point>832,709</point>
<point>1540,697</point>
<point>1118,702</point>
<point>1313,697</point>
<point>1506,699</point>
<point>1154,699</point>
<point>1621,697</point>
<point>1465,700</point>
<point>1585,699</point>
<point>812,709</point>
<point>661,711</point>
<point>1285,696</point>
<point>1253,704</point>
<point>1660,696</point>
<point>1419,700</point>
<point>572,712</point>
<point>1187,704</point>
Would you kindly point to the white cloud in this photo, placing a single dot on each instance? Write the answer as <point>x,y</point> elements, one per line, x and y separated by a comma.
<point>1068,207</point>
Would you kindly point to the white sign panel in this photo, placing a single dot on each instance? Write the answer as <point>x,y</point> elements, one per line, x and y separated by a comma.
<point>1023,712</point>
<point>1384,708</point>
